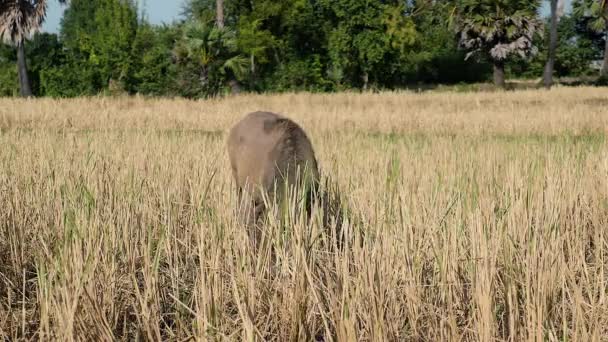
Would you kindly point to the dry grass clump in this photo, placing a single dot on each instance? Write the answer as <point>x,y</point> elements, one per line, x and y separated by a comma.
<point>474,217</point>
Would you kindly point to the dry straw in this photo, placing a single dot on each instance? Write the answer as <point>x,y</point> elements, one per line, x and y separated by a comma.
<point>479,216</point>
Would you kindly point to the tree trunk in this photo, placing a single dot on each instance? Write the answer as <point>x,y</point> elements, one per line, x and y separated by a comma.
<point>235,87</point>
<point>24,81</point>
<point>499,74</point>
<point>204,77</point>
<point>252,64</point>
<point>219,13</point>
<point>365,78</point>
<point>604,71</point>
<point>548,76</point>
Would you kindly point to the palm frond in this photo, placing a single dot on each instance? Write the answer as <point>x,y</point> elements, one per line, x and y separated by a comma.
<point>239,66</point>
<point>20,18</point>
<point>499,29</point>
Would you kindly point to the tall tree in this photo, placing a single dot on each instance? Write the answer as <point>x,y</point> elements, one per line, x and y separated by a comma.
<point>549,66</point>
<point>368,35</point>
<point>498,29</point>
<point>78,22</point>
<point>219,13</point>
<point>152,64</point>
<point>100,34</point>
<point>597,11</point>
<point>18,19</point>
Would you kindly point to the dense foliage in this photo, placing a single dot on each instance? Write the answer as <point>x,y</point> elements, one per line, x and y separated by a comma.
<point>313,45</point>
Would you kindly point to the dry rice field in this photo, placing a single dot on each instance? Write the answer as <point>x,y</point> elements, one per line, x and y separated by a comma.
<point>474,216</point>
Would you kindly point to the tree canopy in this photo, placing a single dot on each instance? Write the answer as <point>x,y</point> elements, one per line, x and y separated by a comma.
<point>223,46</point>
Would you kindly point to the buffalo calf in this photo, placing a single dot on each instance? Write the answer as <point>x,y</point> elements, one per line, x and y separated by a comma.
<point>270,156</point>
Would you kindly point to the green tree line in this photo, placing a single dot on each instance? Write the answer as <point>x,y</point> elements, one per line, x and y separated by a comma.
<point>227,46</point>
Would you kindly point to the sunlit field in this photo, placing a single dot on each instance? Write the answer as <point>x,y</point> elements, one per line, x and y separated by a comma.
<point>476,217</point>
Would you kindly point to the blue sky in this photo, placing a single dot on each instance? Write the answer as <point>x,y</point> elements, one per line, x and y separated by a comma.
<point>157,11</point>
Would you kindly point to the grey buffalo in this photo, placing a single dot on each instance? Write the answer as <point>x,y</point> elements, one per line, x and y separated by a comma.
<point>270,156</point>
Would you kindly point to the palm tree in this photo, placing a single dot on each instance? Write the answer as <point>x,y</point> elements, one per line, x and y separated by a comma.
<point>18,19</point>
<point>598,11</point>
<point>498,29</point>
<point>214,53</point>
